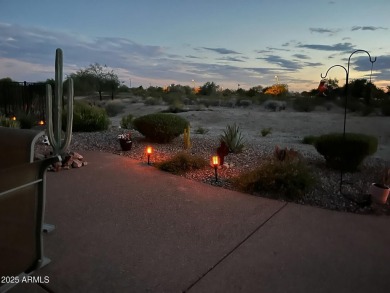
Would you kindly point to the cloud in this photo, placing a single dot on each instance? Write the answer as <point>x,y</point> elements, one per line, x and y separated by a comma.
<point>277,49</point>
<point>221,50</point>
<point>231,59</point>
<point>362,63</point>
<point>263,51</point>
<point>38,45</point>
<point>367,28</point>
<point>324,30</point>
<point>193,57</point>
<point>301,56</point>
<point>341,47</point>
<point>313,64</point>
<point>283,63</point>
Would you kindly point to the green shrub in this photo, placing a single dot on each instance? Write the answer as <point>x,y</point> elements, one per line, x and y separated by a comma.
<point>114,108</point>
<point>182,162</point>
<point>304,104</point>
<point>151,101</point>
<point>346,154</point>
<point>127,121</point>
<point>160,127</point>
<point>385,107</point>
<point>309,139</point>
<point>233,138</point>
<point>291,177</point>
<point>266,131</point>
<point>88,118</point>
<point>201,130</point>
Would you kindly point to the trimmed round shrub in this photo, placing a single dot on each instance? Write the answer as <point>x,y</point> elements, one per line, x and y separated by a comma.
<point>160,127</point>
<point>87,118</point>
<point>114,108</point>
<point>346,154</point>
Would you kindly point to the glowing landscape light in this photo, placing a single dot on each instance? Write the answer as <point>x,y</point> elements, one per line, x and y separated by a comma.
<point>149,151</point>
<point>215,160</point>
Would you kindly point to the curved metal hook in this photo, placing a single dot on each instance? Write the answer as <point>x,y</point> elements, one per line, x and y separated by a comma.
<point>369,56</point>
<point>337,65</point>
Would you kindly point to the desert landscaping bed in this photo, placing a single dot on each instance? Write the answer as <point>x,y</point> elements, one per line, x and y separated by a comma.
<point>325,193</point>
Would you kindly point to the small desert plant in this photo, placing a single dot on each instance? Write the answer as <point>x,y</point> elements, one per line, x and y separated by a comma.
<point>6,122</point>
<point>187,138</point>
<point>160,127</point>
<point>286,154</point>
<point>201,130</point>
<point>309,139</point>
<point>233,138</point>
<point>293,178</point>
<point>151,101</point>
<point>127,121</point>
<point>114,108</point>
<point>176,106</point>
<point>266,131</point>
<point>182,162</point>
<point>88,118</point>
<point>346,153</point>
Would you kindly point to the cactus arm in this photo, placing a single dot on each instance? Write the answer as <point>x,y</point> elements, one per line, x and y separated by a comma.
<point>49,116</point>
<point>57,110</point>
<point>69,118</point>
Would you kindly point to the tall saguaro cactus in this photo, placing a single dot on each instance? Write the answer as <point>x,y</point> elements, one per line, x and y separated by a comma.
<point>54,110</point>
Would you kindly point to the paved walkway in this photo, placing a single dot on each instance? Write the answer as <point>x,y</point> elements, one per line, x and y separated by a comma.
<point>124,226</point>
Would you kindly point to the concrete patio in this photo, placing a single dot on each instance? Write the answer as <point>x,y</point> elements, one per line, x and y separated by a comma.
<point>124,226</point>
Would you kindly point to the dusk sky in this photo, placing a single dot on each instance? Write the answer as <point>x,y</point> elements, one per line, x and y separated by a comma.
<point>155,42</point>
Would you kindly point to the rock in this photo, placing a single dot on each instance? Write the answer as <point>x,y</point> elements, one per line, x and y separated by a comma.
<point>76,156</point>
<point>77,163</point>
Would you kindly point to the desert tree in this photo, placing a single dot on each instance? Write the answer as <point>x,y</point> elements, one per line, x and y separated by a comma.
<point>97,78</point>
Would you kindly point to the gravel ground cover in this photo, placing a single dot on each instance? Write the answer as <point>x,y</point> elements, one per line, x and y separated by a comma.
<point>325,194</point>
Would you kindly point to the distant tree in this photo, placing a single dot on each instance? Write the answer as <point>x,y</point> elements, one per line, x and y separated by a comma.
<point>253,91</point>
<point>96,77</point>
<point>112,82</point>
<point>227,92</point>
<point>209,88</point>
<point>333,83</point>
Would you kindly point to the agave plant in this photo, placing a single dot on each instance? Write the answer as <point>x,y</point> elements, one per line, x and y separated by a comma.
<point>233,138</point>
